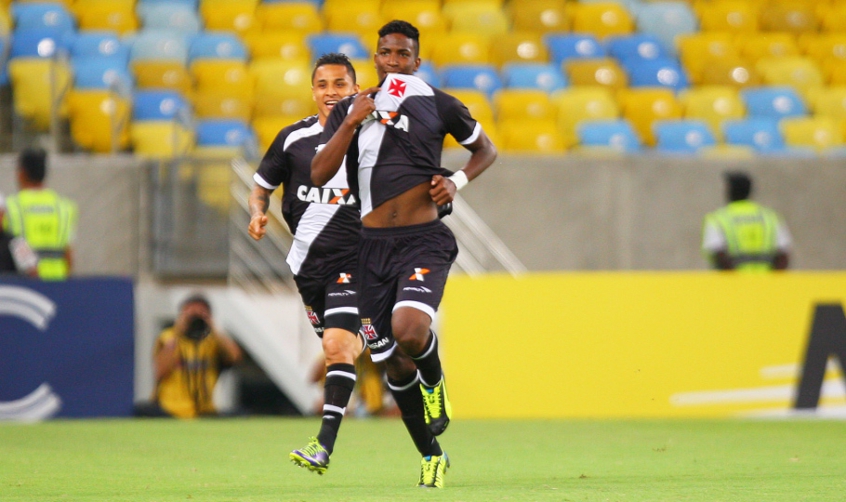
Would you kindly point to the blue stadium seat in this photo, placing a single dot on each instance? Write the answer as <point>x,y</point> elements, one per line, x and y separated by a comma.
<point>773,102</point>
<point>159,105</point>
<point>159,44</point>
<point>429,74</point>
<point>682,136</point>
<point>484,78</point>
<point>662,72</point>
<point>223,133</point>
<point>169,16</point>
<point>99,44</point>
<point>640,46</point>
<point>762,134</point>
<point>547,77</point>
<point>101,73</point>
<point>617,134</point>
<point>53,17</point>
<point>216,45</point>
<point>563,46</point>
<point>667,20</point>
<point>37,42</point>
<point>345,43</point>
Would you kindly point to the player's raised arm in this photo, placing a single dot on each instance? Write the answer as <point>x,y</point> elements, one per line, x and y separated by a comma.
<point>330,155</point>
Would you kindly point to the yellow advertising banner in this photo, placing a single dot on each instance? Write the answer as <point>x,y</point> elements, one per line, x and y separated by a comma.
<point>654,344</point>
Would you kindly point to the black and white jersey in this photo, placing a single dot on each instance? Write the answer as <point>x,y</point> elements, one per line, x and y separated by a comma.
<point>324,220</point>
<point>399,146</point>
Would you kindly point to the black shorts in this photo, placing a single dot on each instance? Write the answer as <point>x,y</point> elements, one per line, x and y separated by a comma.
<point>331,298</point>
<point>401,267</point>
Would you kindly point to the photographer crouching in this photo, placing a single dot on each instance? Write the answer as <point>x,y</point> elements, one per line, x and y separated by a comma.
<point>188,358</point>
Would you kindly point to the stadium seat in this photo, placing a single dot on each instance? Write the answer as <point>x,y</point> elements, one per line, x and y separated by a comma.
<point>773,102</point>
<point>280,77</point>
<point>472,17</point>
<point>732,71</point>
<point>835,71</point>
<point>539,16</point>
<point>481,77</point>
<point>425,15</point>
<point>699,51</point>
<point>755,46</point>
<point>820,133</point>
<point>522,104</point>
<point>802,73</point>
<point>731,16</point>
<point>828,102</point>
<point>427,72</point>
<point>290,45</point>
<point>273,105</point>
<point>601,19</point>
<point>160,139</point>
<point>566,46</point>
<point>577,104</point>
<point>476,102</point>
<point>267,128</point>
<point>215,132</point>
<point>150,74</point>
<point>48,16</point>
<point>159,105</point>
<point>712,105</point>
<point>667,21</point>
<point>352,17</point>
<point>169,16</point>
<point>99,120</point>
<point>663,72</point>
<point>642,107</point>
<point>636,47</point>
<point>230,15</point>
<point>38,43</point>
<point>790,17</point>
<point>99,44</point>
<point>460,48</point>
<point>226,75</point>
<point>211,45</point>
<point>191,4</point>
<point>345,43</point>
<point>682,136</point>
<point>365,73</point>
<point>217,104</point>
<point>118,16</point>
<point>543,76</point>
<point>102,73</point>
<point>160,45</point>
<point>37,84</point>
<point>603,72</point>
<point>530,136</point>
<point>518,47</point>
<point>762,134</point>
<point>834,17</point>
<point>297,16</point>
<point>616,134</point>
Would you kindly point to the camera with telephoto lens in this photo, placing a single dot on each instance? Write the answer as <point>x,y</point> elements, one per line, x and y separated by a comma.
<point>197,328</point>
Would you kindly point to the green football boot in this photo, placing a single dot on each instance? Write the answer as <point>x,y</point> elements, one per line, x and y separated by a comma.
<point>436,407</point>
<point>313,457</point>
<point>432,470</point>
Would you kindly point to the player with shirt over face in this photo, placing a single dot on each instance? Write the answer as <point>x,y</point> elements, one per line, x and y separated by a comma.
<point>392,137</point>
<point>325,223</point>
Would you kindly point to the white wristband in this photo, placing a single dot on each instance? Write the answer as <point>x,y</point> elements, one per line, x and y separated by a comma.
<point>459,179</point>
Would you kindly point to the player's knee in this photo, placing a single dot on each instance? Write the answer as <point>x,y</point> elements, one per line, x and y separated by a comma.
<point>340,346</point>
<point>411,329</point>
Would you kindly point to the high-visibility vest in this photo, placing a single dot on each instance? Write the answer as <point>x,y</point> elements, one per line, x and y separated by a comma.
<point>47,221</point>
<point>751,232</point>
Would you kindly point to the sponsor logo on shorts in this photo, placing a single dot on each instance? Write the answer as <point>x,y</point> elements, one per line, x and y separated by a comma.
<point>344,278</point>
<point>312,316</point>
<point>345,292</point>
<point>369,331</point>
<point>419,289</point>
<point>418,274</point>
<point>379,344</point>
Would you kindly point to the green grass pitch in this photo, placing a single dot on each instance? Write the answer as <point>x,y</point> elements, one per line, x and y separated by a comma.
<point>492,460</point>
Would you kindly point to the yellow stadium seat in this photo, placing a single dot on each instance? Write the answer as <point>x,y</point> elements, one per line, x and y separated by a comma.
<point>530,136</point>
<point>734,71</point>
<point>828,102</point>
<point>353,17</point>
<point>230,15</point>
<point>734,16</point>
<point>713,105</point>
<point>833,17</point>
<point>698,51</point>
<point>99,120</point>
<point>754,46</point>
<point>601,19</point>
<point>160,139</point>
<point>824,46</point>
<point>494,3</point>
<point>539,16</point>
<point>476,18</point>
<point>154,74</point>
<point>425,15</point>
<point>794,16</point>
<point>519,46</point>
<point>277,44</point>
<point>267,128</point>
<point>523,104</point>
<point>643,106</point>
<point>231,75</point>
<point>835,71</point>
<point>281,77</point>
<point>218,104</point>
<point>365,73</point>
<point>298,16</point>
<point>460,48</point>
<point>816,132</point>
<point>274,105</point>
<point>802,73</point>
<point>36,85</point>
<point>582,103</point>
<point>214,176</point>
<point>604,72</point>
<point>117,16</point>
<point>476,102</point>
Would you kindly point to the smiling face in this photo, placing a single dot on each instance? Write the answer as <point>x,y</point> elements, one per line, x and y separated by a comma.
<point>331,83</point>
<point>396,54</point>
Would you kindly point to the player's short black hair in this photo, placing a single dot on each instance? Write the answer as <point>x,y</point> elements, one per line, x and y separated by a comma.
<point>196,298</point>
<point>738,185</point>
<point>403,28</point>
<point>33,163</point>
<point>333,58</point>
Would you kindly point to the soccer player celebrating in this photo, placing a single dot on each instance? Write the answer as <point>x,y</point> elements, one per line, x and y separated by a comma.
<point>326,225</point>
<point>392,137</point>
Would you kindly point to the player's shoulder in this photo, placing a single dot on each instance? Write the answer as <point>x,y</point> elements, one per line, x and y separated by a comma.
<point>300,125</point>
<point>306,127</point>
